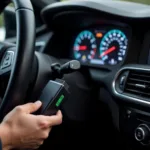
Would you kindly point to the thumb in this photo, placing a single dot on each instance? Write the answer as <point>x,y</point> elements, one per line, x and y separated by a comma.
<point>32,107</point>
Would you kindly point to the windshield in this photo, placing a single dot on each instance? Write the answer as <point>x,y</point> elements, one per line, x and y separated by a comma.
<point>137,1</point>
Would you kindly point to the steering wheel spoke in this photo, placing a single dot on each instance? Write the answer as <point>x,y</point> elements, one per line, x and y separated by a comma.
<point>7,61</point>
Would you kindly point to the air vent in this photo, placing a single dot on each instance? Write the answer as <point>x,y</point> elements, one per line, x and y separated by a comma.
<point>138,84</point>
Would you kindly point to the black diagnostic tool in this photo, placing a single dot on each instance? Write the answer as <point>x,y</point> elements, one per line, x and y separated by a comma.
<point>54,94</point>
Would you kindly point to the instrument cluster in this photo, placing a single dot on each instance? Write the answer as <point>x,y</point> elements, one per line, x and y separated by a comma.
<point>104,46</point>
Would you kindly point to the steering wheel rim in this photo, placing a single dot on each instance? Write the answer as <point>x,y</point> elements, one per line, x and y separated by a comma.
<point>24,55</point>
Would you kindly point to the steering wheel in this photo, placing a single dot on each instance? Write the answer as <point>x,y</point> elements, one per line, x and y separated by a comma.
<point>19,57</point>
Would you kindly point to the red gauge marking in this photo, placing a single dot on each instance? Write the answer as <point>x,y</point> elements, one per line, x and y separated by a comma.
<point>113,48</point>
<point>80,48</point>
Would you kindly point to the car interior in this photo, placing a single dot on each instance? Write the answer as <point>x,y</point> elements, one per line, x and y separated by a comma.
<point>100,49</point>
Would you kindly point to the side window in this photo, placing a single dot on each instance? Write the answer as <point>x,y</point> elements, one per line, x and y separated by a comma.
<point>3,20</point>
<point>2,28</point>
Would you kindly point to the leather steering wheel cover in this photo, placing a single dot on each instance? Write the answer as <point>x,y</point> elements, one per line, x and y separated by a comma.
<point>20,74</point>
<point>23,4</point>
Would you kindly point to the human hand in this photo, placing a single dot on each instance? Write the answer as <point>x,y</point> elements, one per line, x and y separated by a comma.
<point>21,129</point>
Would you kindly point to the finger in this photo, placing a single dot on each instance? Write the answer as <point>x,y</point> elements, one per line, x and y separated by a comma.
<point>59,113</point>
<point>32,107</point>
<point>49,121</point>
<point>55,119</point>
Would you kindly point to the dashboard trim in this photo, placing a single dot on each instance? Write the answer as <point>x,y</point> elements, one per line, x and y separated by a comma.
<point>124,9</point>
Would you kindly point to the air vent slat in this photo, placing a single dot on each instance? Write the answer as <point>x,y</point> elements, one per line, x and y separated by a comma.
<point>138,84</point>
<point>131,84</point>
<point>139,80</point>
<point>140,75</point>
<point>137,91</point>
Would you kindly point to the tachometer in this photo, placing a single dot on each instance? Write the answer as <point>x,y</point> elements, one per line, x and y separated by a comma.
<point>85,46</point>
<point>113,47</point>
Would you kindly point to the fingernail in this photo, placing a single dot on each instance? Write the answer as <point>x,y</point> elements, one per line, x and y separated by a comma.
<point>59,112</point>
<point>38,103</point>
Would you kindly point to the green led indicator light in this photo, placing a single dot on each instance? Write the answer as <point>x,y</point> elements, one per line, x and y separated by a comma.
<point>60,100</point>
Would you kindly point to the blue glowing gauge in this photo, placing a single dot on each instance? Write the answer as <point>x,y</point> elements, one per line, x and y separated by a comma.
<point>85,46</point>
<point>113,47</point>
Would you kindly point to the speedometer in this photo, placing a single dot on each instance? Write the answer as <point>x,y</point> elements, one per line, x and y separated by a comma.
<point>113,47</point>
<point>85,46</point>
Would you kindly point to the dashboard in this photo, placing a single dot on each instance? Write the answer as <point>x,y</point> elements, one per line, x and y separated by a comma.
<point>113,47</point>
<point>104,39</point>
<point>101,37</point>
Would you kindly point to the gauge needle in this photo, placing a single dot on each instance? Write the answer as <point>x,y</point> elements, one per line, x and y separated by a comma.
<point>80,48</point>
<point>108,51</point>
